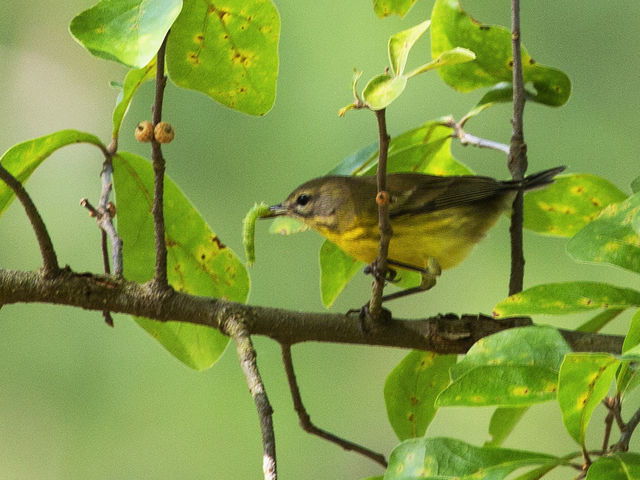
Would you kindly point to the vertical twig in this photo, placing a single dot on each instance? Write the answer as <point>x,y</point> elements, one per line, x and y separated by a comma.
<point>305,419</point>
<point>48,253</point>
<point>107,211</point>
<point>382,198</point>
<point>248,362</point>
<point>517,161</point>
<point>160,275</point>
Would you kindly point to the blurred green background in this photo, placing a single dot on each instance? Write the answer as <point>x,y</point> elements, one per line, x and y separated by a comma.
<point>79,400</point>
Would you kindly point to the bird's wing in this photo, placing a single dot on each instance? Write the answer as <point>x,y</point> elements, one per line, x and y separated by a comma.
<point>411,194</point>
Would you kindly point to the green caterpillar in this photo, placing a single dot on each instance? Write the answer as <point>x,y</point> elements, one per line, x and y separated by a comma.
<point>249,229</point>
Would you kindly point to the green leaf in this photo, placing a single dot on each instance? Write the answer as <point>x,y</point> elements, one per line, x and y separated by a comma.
<point>401,44</point>
<point>541,347</point>
<point>286,226</point>
<point>382,90</point>
<point>22,159</point>
<point>353,163</point>
<point>227,51</point>
<point>451,27</point>
<point>568,297</point>
<point>425,149</point>
<point>583,382</point>
<point>599,321</point>
<point>132,82</point>
<point>518,366</point>
<point>336,270</point>
<point>411,389</point>
<point>612,237</point>
<point>616,466</point>
<point>450,459</point>
<point>502,423</point>
<point>568,204</point>
<point>126,31</point>
<point>384,8</point>
<point>537,473</point>
<point>450,57</point>
<point>502,385</point>
<point>635,185</point>
<point>198,262</point>
<point>633,335</point>
<point>627,378</point>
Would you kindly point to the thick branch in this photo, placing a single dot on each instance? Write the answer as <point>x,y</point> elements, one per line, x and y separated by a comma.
<point>160,276</point>
<point>441,334</point>
<point>380,268</point>
<point>49,258</point>
<point>248,362</point>
<point>305,419</point>
<point>517,161</point>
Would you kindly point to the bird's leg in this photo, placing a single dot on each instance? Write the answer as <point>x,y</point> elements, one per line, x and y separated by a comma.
<point>429,276</point>
<point>372,269</point>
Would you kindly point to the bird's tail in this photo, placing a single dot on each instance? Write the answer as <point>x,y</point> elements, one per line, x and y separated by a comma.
<point>540,179</point>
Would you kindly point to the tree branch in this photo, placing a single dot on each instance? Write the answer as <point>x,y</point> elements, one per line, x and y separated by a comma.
<point>380,267</point>
<point>248,361</point>
<point>48,253</point>
<point>305,419</point>
<point>160,275</point>
<point>468,139</point>
<point>107,210</point>
<point>517,161</point>
<point>441,334</point>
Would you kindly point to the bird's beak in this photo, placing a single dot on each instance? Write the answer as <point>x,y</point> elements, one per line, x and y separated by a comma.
<point>277,210</point>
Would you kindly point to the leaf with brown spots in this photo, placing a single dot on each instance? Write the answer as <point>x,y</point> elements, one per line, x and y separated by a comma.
<point>519,367</point>
<point>567,297</point>
<point>411,389</point>
<point>197,261</point>
<point>612,237</point>
<point>229,53</point>
<point>583,382</point>
<point>571,202</point>
<point>452,27</point>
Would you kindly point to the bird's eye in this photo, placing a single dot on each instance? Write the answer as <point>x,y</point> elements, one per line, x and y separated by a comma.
<point>303,199</point>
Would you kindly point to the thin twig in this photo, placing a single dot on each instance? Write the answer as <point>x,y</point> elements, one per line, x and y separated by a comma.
<point>468,139</point>
<point>608,424</point>
<point>160,275</point>
<point>627,433</point>
<point>380,268</point>
<point>106,314</point>
<point>48,253</point>
<point>305,419</point>
<point>106,213</point>
<point>248,362</point>
<point>517,161</point>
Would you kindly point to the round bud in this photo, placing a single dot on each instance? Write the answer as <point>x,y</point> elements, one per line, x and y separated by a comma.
<point>163,132</point>
<point>111,208</point>
<point>382,198</point>
<point>144,131</point>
